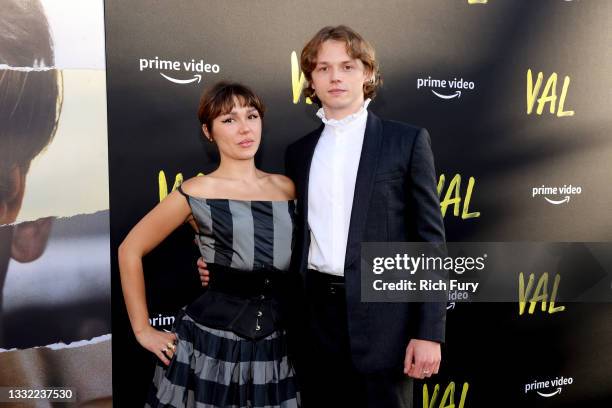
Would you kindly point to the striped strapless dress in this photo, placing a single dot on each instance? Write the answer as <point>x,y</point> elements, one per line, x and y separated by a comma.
<point>232,348</point>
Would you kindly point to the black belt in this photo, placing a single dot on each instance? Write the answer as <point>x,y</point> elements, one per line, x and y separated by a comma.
<point>265,281</point>
<point>244,302</point>
<point>325,283</point>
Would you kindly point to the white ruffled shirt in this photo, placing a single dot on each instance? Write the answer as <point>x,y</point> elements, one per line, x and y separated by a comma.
<point>331,187</point>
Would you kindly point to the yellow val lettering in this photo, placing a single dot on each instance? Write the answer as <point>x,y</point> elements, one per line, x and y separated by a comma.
<point>449,395</point>
<point>560,112</point>
<point>548,95</point>
<point>453,197</point>
<point>531,91</point>
<point>448,399</point>
<point>539,295</point>
<point>463,394</point>
<point>465,214</point>
<point>297,79</point>
<point>523,293</point>
<point>427,403</point>
<point>553,297</point>
<point>441,182</point>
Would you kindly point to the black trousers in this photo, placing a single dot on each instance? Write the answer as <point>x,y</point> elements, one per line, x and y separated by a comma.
<point>329,377</point>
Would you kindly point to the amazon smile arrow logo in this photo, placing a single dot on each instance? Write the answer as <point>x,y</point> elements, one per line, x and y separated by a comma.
<point>178,71</point>
<point>456,94</point>
<point>558,391</point>
<point>566,191</point>
<point>446,88</point>
<point>196,77</point>
<point>557,202</point>
<point>541,386</point>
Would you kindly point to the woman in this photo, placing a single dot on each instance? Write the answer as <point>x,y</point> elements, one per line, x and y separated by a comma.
<point>227,347</point>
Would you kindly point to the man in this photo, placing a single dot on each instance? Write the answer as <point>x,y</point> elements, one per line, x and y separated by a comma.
<point>358,179</point>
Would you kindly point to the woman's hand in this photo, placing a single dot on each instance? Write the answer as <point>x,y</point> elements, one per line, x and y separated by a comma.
<point>160,343</point>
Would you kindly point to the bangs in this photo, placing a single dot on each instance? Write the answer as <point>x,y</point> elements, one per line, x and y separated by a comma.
<point>221,99</point>
<point>228,101</point>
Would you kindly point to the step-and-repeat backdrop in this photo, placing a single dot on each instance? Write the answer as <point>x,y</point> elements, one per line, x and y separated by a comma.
<point>515,94</point>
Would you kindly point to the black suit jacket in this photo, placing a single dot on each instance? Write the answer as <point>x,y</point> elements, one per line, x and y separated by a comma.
<point>395,200</point>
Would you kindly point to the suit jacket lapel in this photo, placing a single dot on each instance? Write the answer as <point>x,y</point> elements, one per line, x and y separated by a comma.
<point>364,184</point>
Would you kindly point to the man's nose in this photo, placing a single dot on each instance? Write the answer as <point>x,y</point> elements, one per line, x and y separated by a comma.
<point>335,75</point>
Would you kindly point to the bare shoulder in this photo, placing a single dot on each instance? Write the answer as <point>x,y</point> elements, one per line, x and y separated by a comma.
<point>199,186</point>
<point>284,184</point>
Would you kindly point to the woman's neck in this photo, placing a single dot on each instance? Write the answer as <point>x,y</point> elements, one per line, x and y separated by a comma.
<point>242,170</point>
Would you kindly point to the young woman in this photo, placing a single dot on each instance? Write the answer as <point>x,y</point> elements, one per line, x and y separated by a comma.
<point>228,347</point>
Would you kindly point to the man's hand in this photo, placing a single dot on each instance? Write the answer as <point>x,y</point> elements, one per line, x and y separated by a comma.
<point>422,359</point>
<point>203,271</point>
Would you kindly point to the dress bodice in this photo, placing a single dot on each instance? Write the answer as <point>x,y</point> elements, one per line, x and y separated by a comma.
<point>244,234</point>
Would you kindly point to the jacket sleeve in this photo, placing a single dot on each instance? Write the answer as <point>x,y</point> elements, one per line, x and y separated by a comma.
<point>430,228</point>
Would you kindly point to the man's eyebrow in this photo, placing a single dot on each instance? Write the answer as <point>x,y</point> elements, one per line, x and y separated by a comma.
<point>341,62</point>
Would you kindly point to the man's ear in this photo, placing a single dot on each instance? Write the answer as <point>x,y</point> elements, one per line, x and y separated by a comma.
<point>30,239</point>
<point>12,198</point>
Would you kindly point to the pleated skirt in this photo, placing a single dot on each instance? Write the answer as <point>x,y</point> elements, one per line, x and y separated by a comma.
<point>216,368</point>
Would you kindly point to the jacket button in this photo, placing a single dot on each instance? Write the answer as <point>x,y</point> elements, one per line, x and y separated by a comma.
<point>266,281</point>
<point>259,313</point>
<point>262,297</point>
<point>332,290</point>
<point>257,328</point>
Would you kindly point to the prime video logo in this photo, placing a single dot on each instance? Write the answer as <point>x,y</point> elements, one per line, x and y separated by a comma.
<point>566,192</point>
<point>161,320</point>
<point>192,66</point>
<point>543,388</point>
<point>446,88</point>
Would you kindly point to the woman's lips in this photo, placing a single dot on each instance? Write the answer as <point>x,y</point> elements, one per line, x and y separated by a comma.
<point>246,143</point>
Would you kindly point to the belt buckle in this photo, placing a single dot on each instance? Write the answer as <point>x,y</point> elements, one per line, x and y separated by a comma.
<point>335,287</point>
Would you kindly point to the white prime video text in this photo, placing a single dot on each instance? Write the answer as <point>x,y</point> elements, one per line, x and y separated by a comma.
<point>405,262</point>
<point>426,285</point>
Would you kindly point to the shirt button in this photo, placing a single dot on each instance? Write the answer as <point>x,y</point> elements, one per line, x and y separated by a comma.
<point>259,313</point>
<point>257,328</point>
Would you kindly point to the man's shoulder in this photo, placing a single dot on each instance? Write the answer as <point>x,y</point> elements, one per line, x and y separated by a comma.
<point>400,129</point>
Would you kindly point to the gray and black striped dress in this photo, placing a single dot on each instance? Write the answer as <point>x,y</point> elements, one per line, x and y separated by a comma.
<point>230,353</point>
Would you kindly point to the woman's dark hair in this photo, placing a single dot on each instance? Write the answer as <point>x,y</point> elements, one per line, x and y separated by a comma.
<point>220,100</point>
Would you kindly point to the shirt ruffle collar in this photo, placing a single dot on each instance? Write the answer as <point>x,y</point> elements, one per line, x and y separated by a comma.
<point>346,119</point>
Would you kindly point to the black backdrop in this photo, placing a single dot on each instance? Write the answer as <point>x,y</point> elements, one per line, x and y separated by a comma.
<point>485,133</point>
